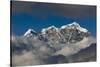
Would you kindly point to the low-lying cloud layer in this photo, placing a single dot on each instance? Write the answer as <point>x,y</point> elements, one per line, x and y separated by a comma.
<point>29,51</point>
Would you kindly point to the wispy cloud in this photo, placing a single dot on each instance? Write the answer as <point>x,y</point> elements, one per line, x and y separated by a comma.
<point>33,51</point>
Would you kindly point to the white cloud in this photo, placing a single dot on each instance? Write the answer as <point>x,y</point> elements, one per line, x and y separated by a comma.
<point>27,58</point>
<point>76,47</point>
<point>40,50</point>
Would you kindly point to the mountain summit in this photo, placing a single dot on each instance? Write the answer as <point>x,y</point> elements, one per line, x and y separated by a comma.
<point>30,33</point>
<point>74,25</point>
<point>70,33</point>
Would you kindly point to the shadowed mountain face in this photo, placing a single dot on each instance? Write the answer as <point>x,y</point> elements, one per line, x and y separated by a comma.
<point>84,55</point>
<point>87,54</point>
<point>67,44</point>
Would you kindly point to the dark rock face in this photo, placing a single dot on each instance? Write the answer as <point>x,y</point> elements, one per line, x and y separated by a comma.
<point>88,54</point>
<point>84,55</point>
<point>55,59</point>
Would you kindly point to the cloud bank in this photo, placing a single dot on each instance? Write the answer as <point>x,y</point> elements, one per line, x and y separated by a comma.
<point>29,51</point>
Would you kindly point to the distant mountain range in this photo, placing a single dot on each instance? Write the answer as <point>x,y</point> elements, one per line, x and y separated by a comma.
<point>69,43</point>
<point>69,33</point>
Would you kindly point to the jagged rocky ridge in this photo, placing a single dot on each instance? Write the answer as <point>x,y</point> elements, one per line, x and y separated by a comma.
<point>70,33</point>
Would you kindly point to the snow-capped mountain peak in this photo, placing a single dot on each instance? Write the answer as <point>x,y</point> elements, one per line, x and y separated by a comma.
<point>82,29</point>
<point>67,33</point>
<point>30,32</point>
<point>52,27</point>
<point>74,25</point>
<point>48,29</point>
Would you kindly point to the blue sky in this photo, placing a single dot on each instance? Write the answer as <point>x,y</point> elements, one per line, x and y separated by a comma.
<point>36,15</point>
